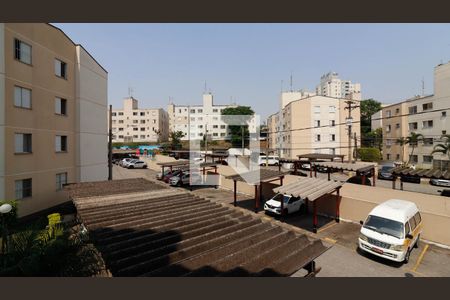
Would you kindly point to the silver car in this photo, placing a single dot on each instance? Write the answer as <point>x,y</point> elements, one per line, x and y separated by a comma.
<point>440,182</point>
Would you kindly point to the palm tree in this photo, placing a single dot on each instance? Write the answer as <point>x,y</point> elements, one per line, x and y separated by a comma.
<point>413,140</point>
<point>402,142</point>
<point>443,148</point>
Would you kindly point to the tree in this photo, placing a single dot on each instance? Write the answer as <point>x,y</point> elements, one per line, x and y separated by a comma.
<point>413,140</point>
<point>159,134</point>
<point>367,108</point>
<point>402,142</point>
<point>443,148</point>
<point>175,137</point>
<point>236,130</point>
<point>376,138</point>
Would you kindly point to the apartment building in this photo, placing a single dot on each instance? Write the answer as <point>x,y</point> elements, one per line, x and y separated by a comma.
<point>332,86</point>
<point>314,124</point>
<point>131,124</point>
<point>427,115</point>
<point>53,107</point>
<point>195,121</point>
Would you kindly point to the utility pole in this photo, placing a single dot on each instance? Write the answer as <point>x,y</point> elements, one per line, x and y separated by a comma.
<point>242,135</point>
<point>110,144</point>
<point>356,146</point>
<point>349,121</point>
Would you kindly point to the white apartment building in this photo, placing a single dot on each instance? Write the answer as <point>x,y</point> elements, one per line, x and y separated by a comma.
<point>427,115</point>
<point>314,124</point>
<point>288,97</point>
<point>132,124</point>
<point>195,121</point>
<point>332,86</point>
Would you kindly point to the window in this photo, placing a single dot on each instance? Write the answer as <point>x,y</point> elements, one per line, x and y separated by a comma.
<point>397,126</point>
<point>60,106</point>
<point>333,137</point>
<point>444,131</point>
<point>428,159</point>
<point>332,109</point>
<point>120,136</point>
<point>23,188</point>
<point>142,113</point>
<point>192,118</point>
<point>443,114</point>
<point>135,129</point>
<point>142,128</point>
<point>113,114</point>
<point>388,156</point>
<point>200,134</point>
<point>200,111</point>
<point>120,129</point>
<point>388,128</point>
<point>397,111</point>
<point>414,158</point>
<point>154,121</point>
<point>143,136</point>
<point>427,106</point>
<point>135,113</point>
<point>22,51</point>
<point>60,69</point>
<point>61,143</point>
<point>412,223</point>
<point>135,121</point>
<point>142,121</point>
<point>61,179</point>
<point>317,109</point>
<point>135,136</point>
<point>215,126</point>
<point>427,124</point>
<point>120,121</point>
<point>332,123</point>
<point>417,218</point>
<point>22,97</point>
<point>215,110</point>
<point>317,138</point>
<point>23,143</point>
<point>215,118</point>
<point>192,111</point>
<point>317,123</point>
<point>200,118</point>
<point>121,114</point>
<point>222,134</point>
<point>215,134</point>
<point>200,126</point>
<point>397,157</point>
<point>222,126</point>
<point>428,141</point>
<point>388,114</point>
<point>412,110</point>
<point>412,126</point>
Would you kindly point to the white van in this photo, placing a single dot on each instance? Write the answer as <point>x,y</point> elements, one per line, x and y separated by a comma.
<point>272,160</point>
<point>391,230</point>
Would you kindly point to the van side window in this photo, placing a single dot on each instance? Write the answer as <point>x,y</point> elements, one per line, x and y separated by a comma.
<point>407,228</point>
<point>417,218</point>
<point>412,222</point>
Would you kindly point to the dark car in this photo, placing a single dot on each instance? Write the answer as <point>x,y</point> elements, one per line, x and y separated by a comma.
<point>386,173</point>
<point>358,180</point>
<point>170,175</point>
<point>445,193</point>
<point>410,178</point>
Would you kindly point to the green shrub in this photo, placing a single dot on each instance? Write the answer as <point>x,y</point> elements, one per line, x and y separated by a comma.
<point>369,154</point>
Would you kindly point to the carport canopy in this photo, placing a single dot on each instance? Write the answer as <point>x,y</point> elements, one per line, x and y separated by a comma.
<point>316,156</point>
<point>423,173</point>
<point>312,189</point>
<point>255,178</point>
<point>358,167</point>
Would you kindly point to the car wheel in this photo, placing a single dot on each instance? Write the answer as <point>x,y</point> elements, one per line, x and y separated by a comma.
<point>144,167</point>
<point>416,245</point>
<point>406,260</point>
<point>130,167</point>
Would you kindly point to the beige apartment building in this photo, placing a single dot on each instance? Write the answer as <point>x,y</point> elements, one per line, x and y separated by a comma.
<point>427,115</point>
<point>53,106</point>
<point>314,124</point>
<point>132,124</point>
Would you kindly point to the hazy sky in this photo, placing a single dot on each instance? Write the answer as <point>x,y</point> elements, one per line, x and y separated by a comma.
<point>248,61</point>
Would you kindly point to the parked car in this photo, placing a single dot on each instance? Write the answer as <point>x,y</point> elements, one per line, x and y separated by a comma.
<point>170,175</point>
<point>358,180</point>
<point>410,178</point>
<point>184,180</point>
<point>160,176</point>
<point>386,173</point>
<point>445,193</point>
<point>391,230</point>
<point>290,204</point>
<point>137,164</point>
<point>271,160</point>
<point>440,182</point>
<point>125,161</point>
<point>305,166</point>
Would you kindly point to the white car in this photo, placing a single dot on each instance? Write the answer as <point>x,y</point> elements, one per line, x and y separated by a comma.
<point>125,161</point>
<point>185,180</point>
<point>440,182</point>
<point>271,160</point>
<point>290,204</point>
<point>136,164</point>
<point>391,230</point>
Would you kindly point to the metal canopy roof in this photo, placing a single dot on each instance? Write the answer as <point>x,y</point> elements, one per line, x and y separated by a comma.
<point>173,163</point>
<point>172,233</point>
<point>309,188</point>
<point>359,167</point>
<point>320,156</point>
<point>257,176</point>
<point>426,173</point>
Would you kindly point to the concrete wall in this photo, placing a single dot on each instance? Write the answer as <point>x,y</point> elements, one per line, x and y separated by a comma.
<point>91,129</point>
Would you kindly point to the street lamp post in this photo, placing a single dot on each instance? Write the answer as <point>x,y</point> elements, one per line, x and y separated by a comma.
<point>4,209</point>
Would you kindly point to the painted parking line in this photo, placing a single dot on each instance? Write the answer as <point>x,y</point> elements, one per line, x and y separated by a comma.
<point>419,260</point>
<point>329,240</point>
<point>326,227</point>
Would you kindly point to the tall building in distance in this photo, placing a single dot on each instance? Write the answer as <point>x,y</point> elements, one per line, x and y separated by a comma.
<point>314,124</point>
<point>195,121</point>
<point>427,115</point>
<point>134,124</point>
<point>332,86</point>
<point>53,109</point>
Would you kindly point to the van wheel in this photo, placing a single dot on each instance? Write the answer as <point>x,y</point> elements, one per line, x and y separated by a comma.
<point>408,252</point>
<point>416,245</point>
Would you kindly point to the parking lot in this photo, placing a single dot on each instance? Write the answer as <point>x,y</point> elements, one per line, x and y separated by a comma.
<point>343,259</point>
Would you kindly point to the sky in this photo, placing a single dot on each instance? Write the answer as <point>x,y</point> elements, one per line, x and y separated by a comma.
<point>246,63</point>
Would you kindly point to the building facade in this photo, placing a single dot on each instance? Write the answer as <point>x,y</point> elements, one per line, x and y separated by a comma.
<point>132,124</point>
<point>332,86</point>
<point>426,115</point>
<point>195,121</point>
<point>313,124</point>
<point>53,107</point>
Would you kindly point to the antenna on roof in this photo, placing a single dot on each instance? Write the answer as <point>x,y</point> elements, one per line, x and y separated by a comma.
<point>291,81</point>
<point>130,91</point>
<point>423,86</point>
<point>205,88</point>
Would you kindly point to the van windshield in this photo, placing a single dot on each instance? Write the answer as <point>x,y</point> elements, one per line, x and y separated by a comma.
<point>278,198</point>
<point>385,226</point>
